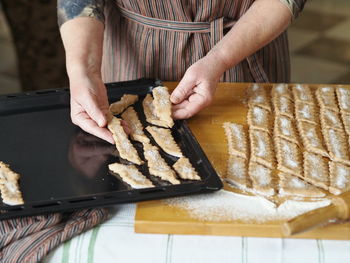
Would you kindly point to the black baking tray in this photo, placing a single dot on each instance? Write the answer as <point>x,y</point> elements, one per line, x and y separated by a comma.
<point>63,168</point>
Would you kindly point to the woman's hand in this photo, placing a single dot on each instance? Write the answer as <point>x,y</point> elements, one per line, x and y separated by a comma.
<point>89,105</point>
<point>197,88</point>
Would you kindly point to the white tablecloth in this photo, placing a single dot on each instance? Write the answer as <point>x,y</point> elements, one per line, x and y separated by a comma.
<point>115,241</point>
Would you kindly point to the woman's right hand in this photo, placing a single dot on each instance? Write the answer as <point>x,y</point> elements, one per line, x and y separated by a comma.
<point>89,105</point>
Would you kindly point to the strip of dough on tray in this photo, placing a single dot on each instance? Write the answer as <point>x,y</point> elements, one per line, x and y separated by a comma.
<point>125,101</point>
<point>185,169</point>
<point>261,148</point>
<point>237,139</point>
<point>237,172</point>
<point>137,134</point>
<point>165,140</point>
<point>290,185</point>
<point>150,114</point>
<point>339,178</point>
<point>9,186</point>
<point>131,175</point>
<point>316,170</point>
<point>261,177</point>
<point>125,148</point>
<point>157,165</point>
<point>162,105</point>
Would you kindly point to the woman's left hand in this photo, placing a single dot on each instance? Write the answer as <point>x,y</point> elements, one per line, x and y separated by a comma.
<point>197,88</point>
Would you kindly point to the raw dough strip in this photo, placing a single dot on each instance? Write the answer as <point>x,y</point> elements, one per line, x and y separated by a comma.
<point>137,133</point>
<point>261,148</point>
<point>259,118</point>
<point>162,105</point>
<point>283,106</point>
<point>305,112</point>
<point>131,175</point>
<point>343,95</point>
<point>149,111</point>
<point>185,170</point>
<point>157,165</point>
<point>124,146</point>
<point>339,178</point>
<point>258,97</point>
<point>337,145</point>
<point>281,90</point>
<point>165,140</point>
<point>290,185</point>
<point>237,139</point>
<point>125,101</point>
<point>330,119</point>
<point>312,139</point>
<point>302,93</point>
<point>326,98</point>
<point>316,170</point>
<point>284,127</point>
<point>261,177</point>
<point>9,186</point>
<point>289,159</point>
<point>346,122</point>
<point>237,174</point>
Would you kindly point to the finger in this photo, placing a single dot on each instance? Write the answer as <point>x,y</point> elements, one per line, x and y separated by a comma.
<point>183,89</point>
<point>187,109</point>
<point>94,111</point>
<point>87,124</point>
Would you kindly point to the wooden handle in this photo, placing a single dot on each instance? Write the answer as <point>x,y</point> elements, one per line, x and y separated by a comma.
<point>309,220</point>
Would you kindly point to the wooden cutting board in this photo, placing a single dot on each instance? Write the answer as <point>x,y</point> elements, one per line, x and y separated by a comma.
<point>155,217</point>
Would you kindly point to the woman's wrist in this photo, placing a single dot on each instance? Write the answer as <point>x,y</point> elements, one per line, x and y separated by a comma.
<point>216,63</point>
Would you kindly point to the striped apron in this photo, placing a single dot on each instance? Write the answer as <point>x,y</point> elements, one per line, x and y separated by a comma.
<point>161,39</point>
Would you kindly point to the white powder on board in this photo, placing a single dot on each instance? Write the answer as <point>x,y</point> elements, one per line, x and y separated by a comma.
<point>227,206</point>
<point>259,115</point>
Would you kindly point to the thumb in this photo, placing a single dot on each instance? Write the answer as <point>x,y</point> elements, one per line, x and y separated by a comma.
<point>95,112</point>
<point>183,89</point>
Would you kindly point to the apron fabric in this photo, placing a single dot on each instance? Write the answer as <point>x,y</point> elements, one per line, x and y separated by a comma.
<point>30,239</point>
<point>161,39</point>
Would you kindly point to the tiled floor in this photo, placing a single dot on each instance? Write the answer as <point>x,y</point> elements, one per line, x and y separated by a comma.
<point>319,44</point>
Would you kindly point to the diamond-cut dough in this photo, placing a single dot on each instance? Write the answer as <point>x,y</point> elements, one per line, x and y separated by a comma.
<point>259,118</point>
<point>288,157</point>
<point>237,139</point>
<point>136,127</point>
<point>302,93</point>
<point>125,148</point>
<point>162,105</point>
<point>326,98</point>
<point>283,106</point>
<point>261,148</point>
<point>261,177</point>
<point>9,187</point>
<point>312,138</point>
<point>337,145</point>
<point>339,178</point>
<point>149,111</point>
<point>285,127</point>
<point>185,169</point>
<point>157,165</point>
<point>330,119</point>
<point>281,90</point>
<point>294,186</point>
<point>259,97</point>
<point>316,170</point>
<point>125,101</point>
<point>305,112</point>
<point>165,140</point>
<point>131,175</point>
<point>237,172</point>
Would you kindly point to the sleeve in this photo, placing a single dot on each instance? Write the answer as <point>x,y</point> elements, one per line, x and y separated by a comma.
<point>70,9</point>
<point>295,6</point>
